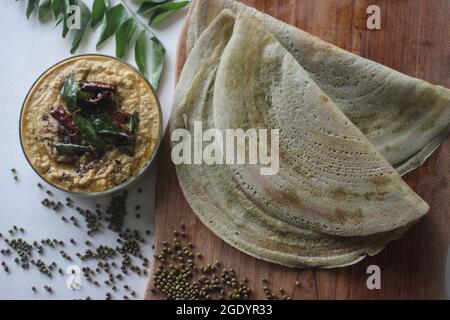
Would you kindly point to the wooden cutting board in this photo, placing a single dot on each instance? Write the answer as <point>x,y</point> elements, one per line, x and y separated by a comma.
<point>414,39</point>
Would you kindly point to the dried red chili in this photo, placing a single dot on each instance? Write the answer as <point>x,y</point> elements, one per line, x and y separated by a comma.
<point>97,86</point>
<point>65,119</point>
<point>104,98</point>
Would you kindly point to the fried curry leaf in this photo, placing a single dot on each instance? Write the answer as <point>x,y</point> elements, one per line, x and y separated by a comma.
<point>140,52</point>
<point>124,35</point>
<point>65,149</point>
<point>70,92</point>
<point>114,17</point>
<point>104,125</point>
<point>130,148</point>
<point>44,9</point>
<point>77,34</point>
<point>30,7</point>
<point>158,61</point>
<point>134,123</point>
<point>89,134</point>
<point>98,11</point>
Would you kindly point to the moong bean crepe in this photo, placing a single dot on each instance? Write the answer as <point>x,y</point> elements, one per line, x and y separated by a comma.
<point>335,198</point>
<point>405,118</point>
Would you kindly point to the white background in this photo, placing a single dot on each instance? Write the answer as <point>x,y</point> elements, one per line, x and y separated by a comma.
<point>27,48</point>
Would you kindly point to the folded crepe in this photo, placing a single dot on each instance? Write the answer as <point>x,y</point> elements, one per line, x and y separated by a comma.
<point>335,198</point>
<point>405,118</point>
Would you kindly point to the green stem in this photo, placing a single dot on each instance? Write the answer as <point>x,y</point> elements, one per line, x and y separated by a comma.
<point>138,20</point>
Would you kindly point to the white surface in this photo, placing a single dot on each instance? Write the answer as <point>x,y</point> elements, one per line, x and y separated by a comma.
<point>27,48</point>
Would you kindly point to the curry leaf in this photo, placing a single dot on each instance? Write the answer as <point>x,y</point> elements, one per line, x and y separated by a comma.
<point>161,7</point>
<point>57,8</point>
<point>89,134</point>
<point>66,6</point>
<point>98,11</point>
<point>147,8</point>
<point>113,22</point>
<point>124,35</point>
<point>134,123</point>
<point>151,1</point>
<point>130,148</point>
<point>69,92</point>
<point>114,17</point>
<point>104,125</point>
<point>85,18</point>
<point>165,10</point>
<point>140,52</point>
<point>30,7</point>
<point>160,16</point>
<point>65,149</point>
<point>57,22</point>
<point>158,61</point>
<point>44,9</point>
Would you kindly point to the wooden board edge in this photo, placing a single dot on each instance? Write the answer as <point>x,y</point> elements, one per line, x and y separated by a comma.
<point>181,56</point>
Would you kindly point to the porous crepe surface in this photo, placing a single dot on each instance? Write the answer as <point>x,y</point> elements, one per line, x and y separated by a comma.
<point>405,118</point>
<point>221,195</point>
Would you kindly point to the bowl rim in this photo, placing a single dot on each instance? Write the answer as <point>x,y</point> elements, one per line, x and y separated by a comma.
<point>130,180</point>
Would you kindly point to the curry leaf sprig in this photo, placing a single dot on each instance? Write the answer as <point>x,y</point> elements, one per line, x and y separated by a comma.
<point>117,20</point>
